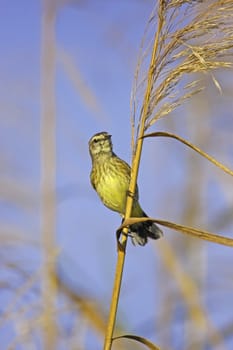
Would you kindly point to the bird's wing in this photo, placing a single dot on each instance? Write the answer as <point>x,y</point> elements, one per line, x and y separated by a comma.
<point>128,170</point>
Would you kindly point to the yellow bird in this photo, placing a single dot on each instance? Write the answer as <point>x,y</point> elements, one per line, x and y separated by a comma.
<point>110,177</point>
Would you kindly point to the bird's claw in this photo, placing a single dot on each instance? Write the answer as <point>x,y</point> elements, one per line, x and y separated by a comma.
<point>131,194</point>
<point>119,232</point>
<point>118,235</point>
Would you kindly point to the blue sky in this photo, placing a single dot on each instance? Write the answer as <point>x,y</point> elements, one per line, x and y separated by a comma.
<point>101,41</point>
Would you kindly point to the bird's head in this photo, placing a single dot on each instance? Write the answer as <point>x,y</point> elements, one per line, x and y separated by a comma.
<point>100,144</point>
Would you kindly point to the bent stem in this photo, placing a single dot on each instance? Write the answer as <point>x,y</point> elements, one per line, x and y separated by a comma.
<point>129,202</point>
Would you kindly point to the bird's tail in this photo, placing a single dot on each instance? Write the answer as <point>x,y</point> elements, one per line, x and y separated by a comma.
<point>140,232</point>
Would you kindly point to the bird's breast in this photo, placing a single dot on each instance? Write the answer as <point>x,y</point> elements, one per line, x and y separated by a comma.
<point>111,181</point>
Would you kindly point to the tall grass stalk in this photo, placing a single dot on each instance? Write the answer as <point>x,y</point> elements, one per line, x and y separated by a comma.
<point>48,167</point>
<point>190,37</point>
<point>132,186</point>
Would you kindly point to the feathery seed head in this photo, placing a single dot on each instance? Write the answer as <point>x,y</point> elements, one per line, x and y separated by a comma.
<point>100,144</point>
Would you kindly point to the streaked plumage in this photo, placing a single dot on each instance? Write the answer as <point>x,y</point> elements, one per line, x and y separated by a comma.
<point>110,177</point>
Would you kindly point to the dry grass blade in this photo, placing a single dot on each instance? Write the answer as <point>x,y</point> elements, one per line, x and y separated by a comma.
<point>88,96</point>
<point>140,340</point>
<point>205,235</point>
<point>89,309</point>
<point>19,294</point>
<point>191,295</point>
<point>195,148</point>
<point>195,37</point>
<point>48,176</point>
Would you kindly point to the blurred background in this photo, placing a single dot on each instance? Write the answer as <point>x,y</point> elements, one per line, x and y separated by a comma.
<point>66,71</point>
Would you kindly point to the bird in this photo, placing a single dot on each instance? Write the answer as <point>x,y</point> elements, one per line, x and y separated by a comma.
<point>110,178</point>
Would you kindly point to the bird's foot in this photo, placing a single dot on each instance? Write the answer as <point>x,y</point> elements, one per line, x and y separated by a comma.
<point>119,232</point>
<point>131,194</point>
<point>119,244</point>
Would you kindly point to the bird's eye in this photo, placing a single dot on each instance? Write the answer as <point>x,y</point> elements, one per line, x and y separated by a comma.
<point>95,140</point>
